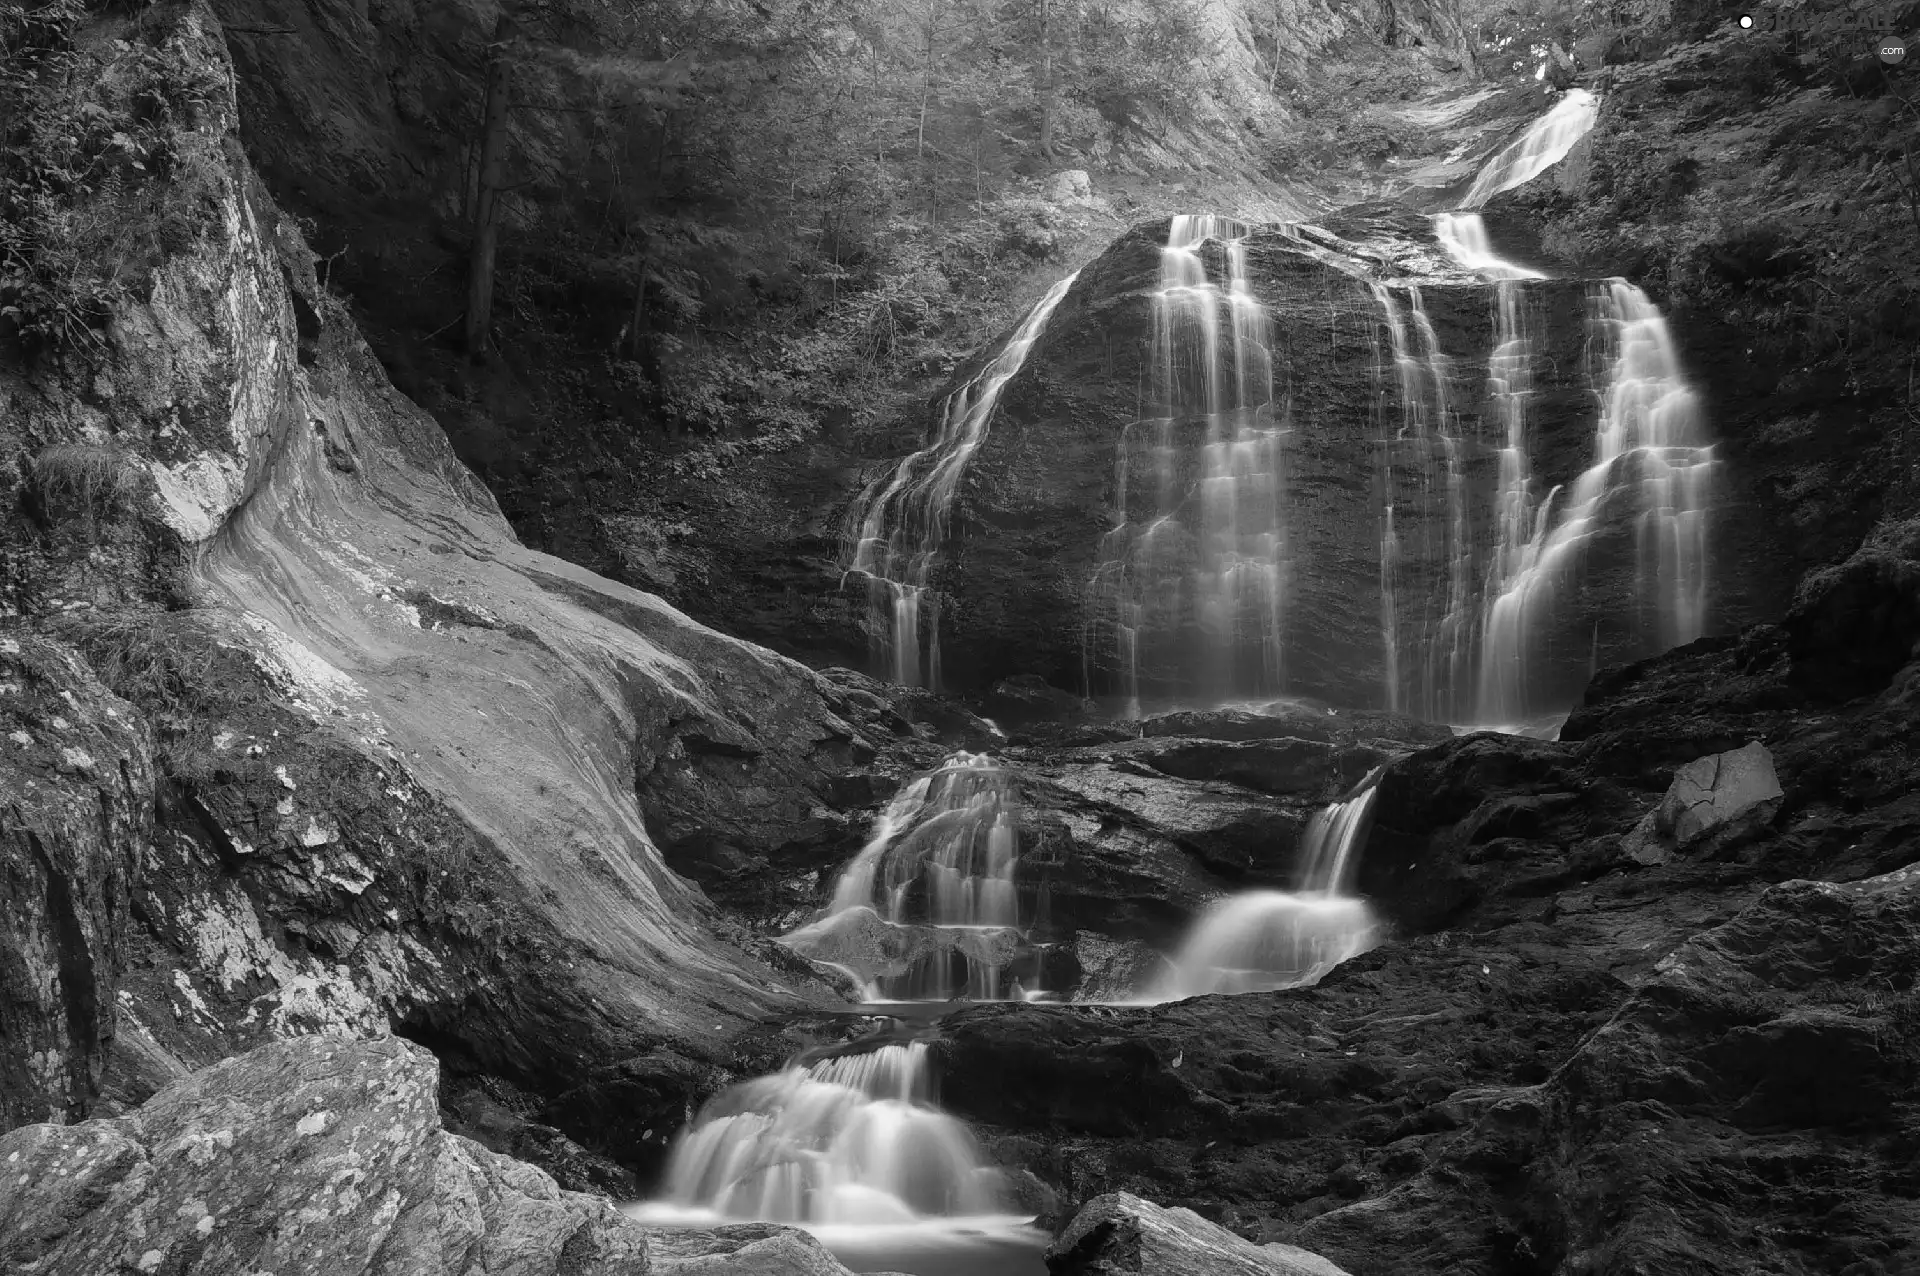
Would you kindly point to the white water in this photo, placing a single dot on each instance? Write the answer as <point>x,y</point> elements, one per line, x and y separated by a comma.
<point>898,525</point>
<point>1654,464</point>
<point>849,1140</point>
<point>1544,143</point>
<point>1423,454</point>
<point>1187,599</point>
<point>930,908</point>
<point>1258,941</point>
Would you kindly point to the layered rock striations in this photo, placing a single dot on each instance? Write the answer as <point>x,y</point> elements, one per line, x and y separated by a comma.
<point>411,773</point>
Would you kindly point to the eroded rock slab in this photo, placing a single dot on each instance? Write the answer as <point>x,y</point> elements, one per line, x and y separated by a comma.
<point>1122,1235</point>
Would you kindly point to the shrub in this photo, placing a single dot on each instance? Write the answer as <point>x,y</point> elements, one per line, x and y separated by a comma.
<point>92,481</point>
<point>98,159</point>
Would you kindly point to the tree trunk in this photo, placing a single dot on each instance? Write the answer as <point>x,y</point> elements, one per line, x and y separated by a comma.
<point>636,329</point>
<point>1046,78</point>
<point>486,205</point>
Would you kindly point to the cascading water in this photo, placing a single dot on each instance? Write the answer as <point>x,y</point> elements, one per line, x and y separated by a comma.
<point>1258,941</point>
<point>1187,600</point>
<point>930,908</point>
<point>1653,458</point>
<point>854,1149</point>
<point>898,525</point>
<point>1431,480</point>
<point>1652,455</point>
<point>853,1139</point>
<point>1544,143</point>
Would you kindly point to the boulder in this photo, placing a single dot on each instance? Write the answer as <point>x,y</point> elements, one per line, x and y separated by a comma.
<point>76,809</point>
<point>317,1156</point>
<point>1711,791</point>
<point>1121,1235</point>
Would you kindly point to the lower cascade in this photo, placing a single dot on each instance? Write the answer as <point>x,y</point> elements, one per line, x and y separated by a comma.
<point>1259,941</point>
<point>930,909</point>
<point>849,1140</point>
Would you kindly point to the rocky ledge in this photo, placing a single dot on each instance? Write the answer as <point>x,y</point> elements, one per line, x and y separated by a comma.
<point>324,1156</point>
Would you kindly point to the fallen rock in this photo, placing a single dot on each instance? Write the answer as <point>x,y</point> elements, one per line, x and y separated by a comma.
<point>1714,790</point>
<point>76,807</point>
<point>318,1156</point>
<point>1121,1235</point>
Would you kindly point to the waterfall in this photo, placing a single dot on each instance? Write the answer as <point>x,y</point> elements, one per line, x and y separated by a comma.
<point>849,1140</point>
<point>1652,458</point>
<point>898,525</point>
<point>930,908</point>
<point>1428,433</point>
<point>1190,586</point>
<point>1544,143</point>
<point>1257,941</point>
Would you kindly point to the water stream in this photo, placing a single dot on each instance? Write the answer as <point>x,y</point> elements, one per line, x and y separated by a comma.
<point>931,908</point>
<point>854,1149</point>
<point>1187,597</point>
<point>1259,941</point>
<point>897,527</point>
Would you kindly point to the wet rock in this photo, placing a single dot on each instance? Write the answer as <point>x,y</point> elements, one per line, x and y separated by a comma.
<point>320,1156</point>
<point>1120,1235</point>
<point>1786,1036</point>
<point>1028,698</point>
<point>1278,766</point>
<point>1283,720</point>
<point>76,775</point>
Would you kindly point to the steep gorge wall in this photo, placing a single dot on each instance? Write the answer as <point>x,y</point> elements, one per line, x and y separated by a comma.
<point>407,766</point>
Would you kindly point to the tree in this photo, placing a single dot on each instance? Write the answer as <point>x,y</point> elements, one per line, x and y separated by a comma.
<point>486,204</point>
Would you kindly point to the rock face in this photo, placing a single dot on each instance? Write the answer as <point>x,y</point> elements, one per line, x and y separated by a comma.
<point>321,1156</point>
<point>1030,531</point>
<point>1764,1033</point>
<point>76,772</point>
<point>1122,1234</point>
<point>412,774</point>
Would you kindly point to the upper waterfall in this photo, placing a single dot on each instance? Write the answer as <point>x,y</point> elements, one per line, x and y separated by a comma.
<point>1187,597</point>
<point>897,525</point>
<point>1544,143</point>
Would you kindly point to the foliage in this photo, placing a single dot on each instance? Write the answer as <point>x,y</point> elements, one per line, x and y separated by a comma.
<point>96,164</point>
<point>94,481</point>
<point>797,190</point>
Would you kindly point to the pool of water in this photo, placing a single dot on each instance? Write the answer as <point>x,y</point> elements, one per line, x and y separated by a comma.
<point>993,1245</point>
